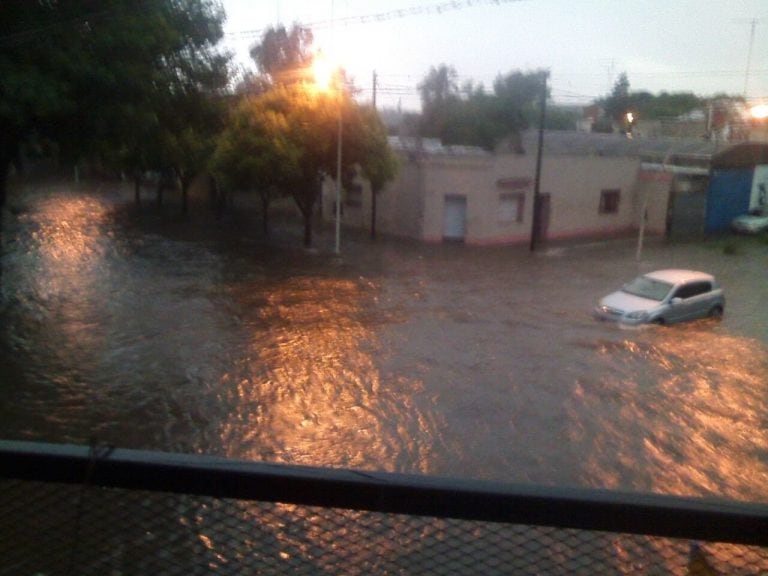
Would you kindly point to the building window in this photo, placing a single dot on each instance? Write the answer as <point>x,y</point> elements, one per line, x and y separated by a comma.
<point>609,201</point>
<point>511,206</point>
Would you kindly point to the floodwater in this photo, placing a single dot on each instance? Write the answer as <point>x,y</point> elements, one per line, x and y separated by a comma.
<point>448,360</point>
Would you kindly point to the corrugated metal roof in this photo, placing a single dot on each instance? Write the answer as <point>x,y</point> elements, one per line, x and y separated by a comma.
<point>576,143</point>
<point>433,146</point>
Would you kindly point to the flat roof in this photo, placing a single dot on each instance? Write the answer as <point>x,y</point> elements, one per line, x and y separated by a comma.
<point>743,155</point>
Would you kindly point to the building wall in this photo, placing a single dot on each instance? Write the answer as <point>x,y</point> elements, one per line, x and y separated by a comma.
<point>573,183</point>
<point>576,185</point>
<point>513,174</point>
<point>413,205</point>
<point>460,176</point>
<point>400,205</point>
<point>652,190</point>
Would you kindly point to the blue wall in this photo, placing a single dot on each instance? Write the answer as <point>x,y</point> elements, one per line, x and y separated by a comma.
<point>728,197</point>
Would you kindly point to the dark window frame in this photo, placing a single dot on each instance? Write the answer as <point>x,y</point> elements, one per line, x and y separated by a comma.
<point>610,199</point>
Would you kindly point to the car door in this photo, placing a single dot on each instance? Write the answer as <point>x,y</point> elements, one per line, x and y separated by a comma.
<point>689,301</point>
<point>698,300</point>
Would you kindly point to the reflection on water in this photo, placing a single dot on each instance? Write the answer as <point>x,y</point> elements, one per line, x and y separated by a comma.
<point>684,415</point>
<point>312,391</point>
<point>445,360</point>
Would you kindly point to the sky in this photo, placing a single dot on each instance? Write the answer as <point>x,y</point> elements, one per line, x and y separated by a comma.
<point>701,46</point>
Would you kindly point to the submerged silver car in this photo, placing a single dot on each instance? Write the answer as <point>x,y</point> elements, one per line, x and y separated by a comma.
<point>664,297</point>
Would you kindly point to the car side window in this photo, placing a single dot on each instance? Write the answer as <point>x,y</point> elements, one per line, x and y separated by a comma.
<point>692,289</point>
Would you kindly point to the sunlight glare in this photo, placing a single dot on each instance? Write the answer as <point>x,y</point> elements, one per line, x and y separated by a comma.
<point>323,72</point>
<point>759,112</point>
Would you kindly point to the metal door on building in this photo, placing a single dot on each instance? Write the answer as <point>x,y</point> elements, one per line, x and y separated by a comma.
<point>455,217</point>
<point>728,196</point>
<point>686,213</point>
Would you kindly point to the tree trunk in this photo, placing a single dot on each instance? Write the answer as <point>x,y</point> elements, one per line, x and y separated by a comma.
<point>160,186</point>
<point>265,214</point>
<point>137,188</point>
<point>9,150</point>
<point>5,165</point>
<point>305,197</point>
<point>184,195</point>
<point>308,230</point>
<point>373,213</point>
<point>220,197</point>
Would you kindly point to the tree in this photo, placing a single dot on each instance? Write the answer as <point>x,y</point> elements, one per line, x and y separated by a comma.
<point>313,118</point>
<point>304,132</point>
<point>370,149</point>
<point>439,90</point>
<point>97,77</point>
<point>618,103</point>
<point>473,116</point>
<point>645,105</point>
<point>517,100</point>
<point>284,56</point>
<point>308,131</point>
<point>189,136</point>
<point>665,105</point>
<point>282,142</point>
<point>256,151</point>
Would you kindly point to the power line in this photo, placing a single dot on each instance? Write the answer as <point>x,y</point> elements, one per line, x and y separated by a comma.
<point>441,8</point>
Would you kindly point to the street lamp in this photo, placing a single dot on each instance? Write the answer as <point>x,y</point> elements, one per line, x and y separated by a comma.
<point>759,112</point>
<point>629,117</point>
<point>325,75</point>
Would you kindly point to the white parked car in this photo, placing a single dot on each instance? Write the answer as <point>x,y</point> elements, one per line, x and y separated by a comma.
<point>664,297</point>
<point>750,224</point>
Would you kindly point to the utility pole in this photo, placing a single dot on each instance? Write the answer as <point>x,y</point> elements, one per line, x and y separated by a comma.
<point>535,224</point>
<point>749,55</point>
<point>375,83</point>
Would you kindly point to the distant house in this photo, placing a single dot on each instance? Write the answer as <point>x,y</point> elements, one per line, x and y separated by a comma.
<point>591,116</point>
<point>592,186</point>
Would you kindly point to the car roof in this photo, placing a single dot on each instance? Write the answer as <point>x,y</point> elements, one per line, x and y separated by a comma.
<point>676,275</point>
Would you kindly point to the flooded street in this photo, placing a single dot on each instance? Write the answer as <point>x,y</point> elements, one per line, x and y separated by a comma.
<point>448,360</point>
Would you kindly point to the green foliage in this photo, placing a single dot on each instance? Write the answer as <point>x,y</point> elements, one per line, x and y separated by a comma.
<point>618,103</point>
<point>561,118</point>
<point>283,55</point>
<point>257,150</point>
<point>283,139</point>
<point>117,77</point>
<point>439,101</point>
<point>647,106</point>
<point>472,116</point>
<point>369,148</point>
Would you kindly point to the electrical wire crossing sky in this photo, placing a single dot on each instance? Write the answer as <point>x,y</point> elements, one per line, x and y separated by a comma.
<point>706,47</point>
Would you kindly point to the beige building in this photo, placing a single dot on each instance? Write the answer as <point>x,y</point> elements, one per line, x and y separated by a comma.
<point>591,186</point>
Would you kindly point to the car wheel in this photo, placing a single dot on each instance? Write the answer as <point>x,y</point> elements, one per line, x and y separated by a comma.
<point>716,312</point>
<point>658,321</point>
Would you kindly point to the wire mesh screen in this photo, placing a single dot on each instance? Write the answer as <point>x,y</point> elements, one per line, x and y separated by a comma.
<point>68,529</point>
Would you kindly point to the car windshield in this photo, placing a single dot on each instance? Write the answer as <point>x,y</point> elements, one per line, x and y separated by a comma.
<point>647,288</point>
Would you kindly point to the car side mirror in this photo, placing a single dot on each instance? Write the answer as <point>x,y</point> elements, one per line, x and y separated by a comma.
<point>676,300</point>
